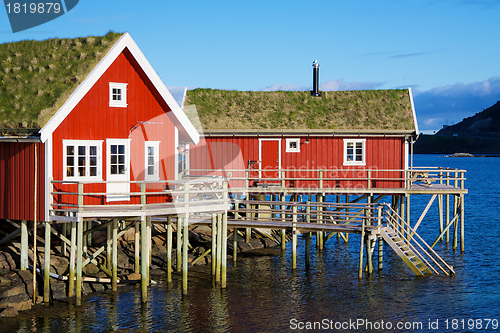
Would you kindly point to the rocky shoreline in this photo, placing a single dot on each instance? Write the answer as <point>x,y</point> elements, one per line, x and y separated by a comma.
<point>16,286</point>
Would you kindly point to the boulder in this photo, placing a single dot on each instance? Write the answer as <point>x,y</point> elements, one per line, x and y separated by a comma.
<point>9,313</point>
<point>19,302</point>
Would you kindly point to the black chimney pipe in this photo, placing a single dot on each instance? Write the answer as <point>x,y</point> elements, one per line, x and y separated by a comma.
<point>315,91</point>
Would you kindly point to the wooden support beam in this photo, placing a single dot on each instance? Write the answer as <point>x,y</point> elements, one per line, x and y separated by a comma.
<point>179,245</point>
<point>79,254</point>
<point>137,246</point>
<point>360,270</point>
<point>169,249</point>
<point>429,204</point>
<point>144,261</point>
<point>114,259</point>
<point>224,251</point>
<point>24,245</point>
<point>72,258</point>
<point>185,255</point>
<point>214,243</point>
<point>294,237</point>
<point>46,264</point>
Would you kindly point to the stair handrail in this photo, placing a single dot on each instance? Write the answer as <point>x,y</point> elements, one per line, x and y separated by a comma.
<point>404,224</point>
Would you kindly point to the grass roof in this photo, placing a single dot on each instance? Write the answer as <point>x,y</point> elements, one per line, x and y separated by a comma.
<point>298,110</point>
<point>37,77</point>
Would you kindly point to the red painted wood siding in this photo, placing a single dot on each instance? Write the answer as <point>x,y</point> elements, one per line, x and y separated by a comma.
<point>323,152</point>
<point>144,119</point>
<point>17,173</point>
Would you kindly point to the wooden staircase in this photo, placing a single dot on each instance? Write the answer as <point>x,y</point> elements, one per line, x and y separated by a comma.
<point>403,250</point>
<point>410,247</point>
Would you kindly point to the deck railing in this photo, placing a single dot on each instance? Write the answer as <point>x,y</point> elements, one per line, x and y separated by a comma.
<point>321,179</point>
<point>77,196</point>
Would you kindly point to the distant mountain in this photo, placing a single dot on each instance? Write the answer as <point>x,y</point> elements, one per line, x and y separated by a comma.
<point>483,124</point>
<point>479,134</point>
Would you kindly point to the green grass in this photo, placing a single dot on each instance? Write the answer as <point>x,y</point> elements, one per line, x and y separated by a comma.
<point>364,109</point>
<point>36,77</point>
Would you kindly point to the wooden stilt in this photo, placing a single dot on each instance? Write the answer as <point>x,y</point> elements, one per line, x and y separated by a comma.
<point>109,251</point>
<point>148,230</point>
<point>185,239</point>
<point>462,223</point>
<point>169,249</point>
<point>64,233</point>
<point>380,253</point>
<point>360,270</point>
<point>456,209</point>
<point>294,237</point>
<point>214,244</point>
<point>72,257</point>
<point>114,260</point>
<point>24,245</point>
<point>46,264</point>
<point>79,254</point>
<point>144,261</point>
<point>137,246</point>
<point>179,244</point>
<point>283,231</point>
<point>235,244</point>
<point>440,212</point>
<point>219,248</point>
<point>320,234</point>
<point>369,261</point>
<point>224,251</point>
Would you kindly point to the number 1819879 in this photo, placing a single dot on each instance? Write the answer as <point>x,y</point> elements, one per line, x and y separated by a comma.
<point>32,8</point>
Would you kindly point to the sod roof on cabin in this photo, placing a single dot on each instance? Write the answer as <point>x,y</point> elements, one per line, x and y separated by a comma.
<point>298,110</point>
<point>37,77</point>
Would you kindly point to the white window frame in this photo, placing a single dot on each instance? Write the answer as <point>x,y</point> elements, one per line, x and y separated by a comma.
<point>87,144</point>
<point>363,152</point>
<point>121,103</point>
<point>156,173</point>
<point>289,149</point>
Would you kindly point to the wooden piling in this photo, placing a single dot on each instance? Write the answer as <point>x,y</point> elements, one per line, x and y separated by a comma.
<point>185,240</point>
<point>46,264</point>
<point>224,251</point>
<point>144,261</point>
<point>214,244</point>
<point>179,244</point>
<point>24,245</point>
<point>72,257</point>
<point>79,254</point>
<point>235,244</point>
<point>169,249</point>
<point>114,251</point>
<point>294,237</point>
<point>109,243</point>
<point>137,246</point>
<point>219,248</point>
<point>360,270</point>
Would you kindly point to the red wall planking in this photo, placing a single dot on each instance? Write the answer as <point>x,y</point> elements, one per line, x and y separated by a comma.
<point>17,172</point>
<point>325,152</point>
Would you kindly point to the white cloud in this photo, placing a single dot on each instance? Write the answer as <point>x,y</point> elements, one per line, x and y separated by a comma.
<point>340,84</point>
<point>287,87</point>
<point>455,102</point>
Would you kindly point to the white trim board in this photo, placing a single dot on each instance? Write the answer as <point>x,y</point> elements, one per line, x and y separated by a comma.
<point>176,115</point>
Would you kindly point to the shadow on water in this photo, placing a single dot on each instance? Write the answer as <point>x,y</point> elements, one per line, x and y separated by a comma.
<point>264,294</point>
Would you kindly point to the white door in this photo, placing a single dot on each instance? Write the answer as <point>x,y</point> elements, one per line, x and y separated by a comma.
<point>118,169</point>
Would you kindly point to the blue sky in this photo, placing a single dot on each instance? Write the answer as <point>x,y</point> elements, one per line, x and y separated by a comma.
<point>448,51</point>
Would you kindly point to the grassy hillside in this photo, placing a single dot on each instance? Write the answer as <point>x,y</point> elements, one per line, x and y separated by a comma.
<point>366,109</point>
<point>36,77</point>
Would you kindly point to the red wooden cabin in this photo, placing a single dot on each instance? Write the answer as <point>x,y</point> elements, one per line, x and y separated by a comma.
<point>119,124</point>
<point>352,136</point>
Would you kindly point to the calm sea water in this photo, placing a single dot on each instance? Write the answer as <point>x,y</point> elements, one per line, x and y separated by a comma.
<point>264,295</point>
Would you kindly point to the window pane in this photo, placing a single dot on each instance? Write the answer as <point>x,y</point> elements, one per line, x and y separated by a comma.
<point>151,170</point>
<point>121,149</point>
<point>151,150</point>
<point>121,159</point>
<point>121,169</point>
<point>113,149</point>
<point>93,150</point>
<point>93,161</point>
<point>70,161</point>
<point>114,159</point>
<point>151,160</point>
<point>81,150</point>
<point>70,171</point>
<point>81,172</point>
<point>70,150</point>
<point>81,161</point>
<point>93,171</point>
<point>114,170</point>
